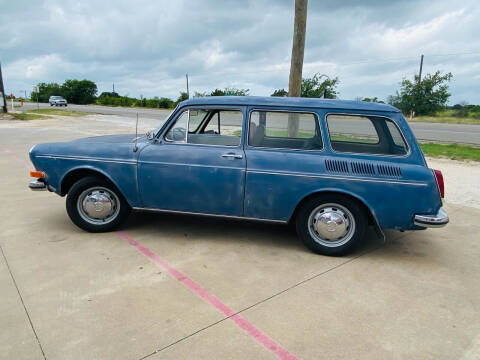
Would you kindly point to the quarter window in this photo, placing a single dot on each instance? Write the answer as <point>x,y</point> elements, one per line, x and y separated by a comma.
<point>288,130</point>
<point>365,134</point>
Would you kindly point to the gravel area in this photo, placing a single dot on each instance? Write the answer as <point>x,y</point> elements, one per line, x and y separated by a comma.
<point>462,180</point>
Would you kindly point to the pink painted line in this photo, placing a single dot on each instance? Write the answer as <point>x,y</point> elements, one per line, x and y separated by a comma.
<point>17,159</point>
<point>241,322</point>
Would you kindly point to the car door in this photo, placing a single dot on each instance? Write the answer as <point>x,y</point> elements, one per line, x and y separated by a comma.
<point>199,170</point>
<point>284,152</point>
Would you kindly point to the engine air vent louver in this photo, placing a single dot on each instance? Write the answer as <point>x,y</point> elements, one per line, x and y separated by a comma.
<point>338,166</point>
<point>388,170</point>
<point>362,168</point>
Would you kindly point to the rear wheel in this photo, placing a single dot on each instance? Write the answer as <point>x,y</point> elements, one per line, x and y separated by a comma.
<point>331,224</point>
<point>95,205</point>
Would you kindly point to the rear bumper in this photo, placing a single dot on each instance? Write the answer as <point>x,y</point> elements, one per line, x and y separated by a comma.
<point>37,185</point>
<point>432,221</point>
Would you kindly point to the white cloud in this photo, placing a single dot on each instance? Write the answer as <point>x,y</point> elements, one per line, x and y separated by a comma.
<point>146,47</point>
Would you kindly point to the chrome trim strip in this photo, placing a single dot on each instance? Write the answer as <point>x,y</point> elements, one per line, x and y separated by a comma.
<point>432,221</point>
<point>336,177</point>
<point>86,159</point>
<point>317,122</point>
<point>368,154</point>
<point>193,165</point>
<point>207,214</point>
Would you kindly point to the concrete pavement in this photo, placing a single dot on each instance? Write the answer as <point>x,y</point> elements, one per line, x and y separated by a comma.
<point>95,296</point>
<point>453,133</point>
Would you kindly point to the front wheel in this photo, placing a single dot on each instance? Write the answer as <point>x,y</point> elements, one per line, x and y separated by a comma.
<point>331,224</point>
<point>95,205</point>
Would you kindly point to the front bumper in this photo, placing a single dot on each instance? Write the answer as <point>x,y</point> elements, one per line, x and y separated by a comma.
<point>37,185</point>
<point>432,221</point>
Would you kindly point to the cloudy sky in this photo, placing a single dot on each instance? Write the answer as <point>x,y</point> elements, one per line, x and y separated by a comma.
<point>146,47</point>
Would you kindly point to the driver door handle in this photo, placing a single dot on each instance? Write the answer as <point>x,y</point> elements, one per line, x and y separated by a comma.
<point>232,156</point>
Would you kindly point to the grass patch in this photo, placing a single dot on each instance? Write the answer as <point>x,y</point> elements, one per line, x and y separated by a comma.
<point>352,138</point>
<point>445,120</point>
<point>58,112</point>
<point>281,133</point>
<point>25,116</point>
<point>452,151</point>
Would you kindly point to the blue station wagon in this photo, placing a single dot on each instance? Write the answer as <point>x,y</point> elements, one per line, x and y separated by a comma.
<point>330,167</point>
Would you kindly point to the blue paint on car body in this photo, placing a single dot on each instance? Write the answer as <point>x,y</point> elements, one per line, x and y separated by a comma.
<point>250,181</point>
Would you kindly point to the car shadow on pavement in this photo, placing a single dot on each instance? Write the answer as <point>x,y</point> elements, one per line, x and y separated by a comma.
<point>221,230</point>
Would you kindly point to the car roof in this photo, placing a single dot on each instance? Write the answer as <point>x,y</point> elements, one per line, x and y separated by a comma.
<point>289,101</point>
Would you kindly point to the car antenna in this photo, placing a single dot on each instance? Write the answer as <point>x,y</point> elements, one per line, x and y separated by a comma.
<point>135,148</point>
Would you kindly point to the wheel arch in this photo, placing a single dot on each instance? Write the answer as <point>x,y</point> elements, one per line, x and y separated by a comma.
<point>75,174</point>
<point>372,218</point>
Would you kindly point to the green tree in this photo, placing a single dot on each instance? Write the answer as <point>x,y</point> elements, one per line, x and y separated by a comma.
<point>79,91</point>
<point>373,99</point>
<point>217,92</point>
<point>425,97</point>
<point>236,92</point>
<point>230,92</point>
<point>280,93</point>
<point>45,90</point>
<point>111,94</point>
<point>314,87</point>
<point>183,96</point>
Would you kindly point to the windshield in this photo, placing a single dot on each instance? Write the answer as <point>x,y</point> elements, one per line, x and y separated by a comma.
<point>162,122</point>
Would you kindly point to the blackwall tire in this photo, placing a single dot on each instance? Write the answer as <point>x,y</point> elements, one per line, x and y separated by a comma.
<point>331,224</point>
<point>95,205</point>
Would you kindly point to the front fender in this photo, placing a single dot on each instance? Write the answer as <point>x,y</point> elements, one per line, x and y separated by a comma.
<point>122,174</point>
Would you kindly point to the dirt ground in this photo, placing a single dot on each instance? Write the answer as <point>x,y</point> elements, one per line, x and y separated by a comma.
<point>462,180</point>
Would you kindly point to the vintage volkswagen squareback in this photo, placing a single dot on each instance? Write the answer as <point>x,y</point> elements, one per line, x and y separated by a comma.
<point>331,167</point>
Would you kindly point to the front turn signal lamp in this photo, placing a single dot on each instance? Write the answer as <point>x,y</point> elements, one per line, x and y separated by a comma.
<point>37,174</point>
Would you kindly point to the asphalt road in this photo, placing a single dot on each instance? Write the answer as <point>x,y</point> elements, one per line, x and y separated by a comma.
<point>448,133</point>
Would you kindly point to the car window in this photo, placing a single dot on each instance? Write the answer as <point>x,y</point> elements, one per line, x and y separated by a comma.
<point>207,127</point>
<point>365,134</point>
<point>396,135</point>
<point>196,118</point>
<point>178,131</point>
<point>347,128</point>
<point>220,127</point>
<point>289,130</point>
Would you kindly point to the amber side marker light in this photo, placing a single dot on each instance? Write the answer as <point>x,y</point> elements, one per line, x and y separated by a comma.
<point>37,174</point>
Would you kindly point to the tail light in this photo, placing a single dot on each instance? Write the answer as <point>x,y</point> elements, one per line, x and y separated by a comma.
<point>440,182</point>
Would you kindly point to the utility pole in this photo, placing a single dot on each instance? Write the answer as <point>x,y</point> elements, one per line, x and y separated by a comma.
<point>188,91</point>
<point>296,64</point>
<point>420,72</point>
<point>3,100</point>
<point>113,88</point>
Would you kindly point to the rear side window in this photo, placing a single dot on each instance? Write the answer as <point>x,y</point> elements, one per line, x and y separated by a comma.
<point>287,130</point>
<point>365,134</point>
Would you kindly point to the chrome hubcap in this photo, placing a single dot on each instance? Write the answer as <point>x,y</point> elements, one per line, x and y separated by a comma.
<point>98,205</point>
<point>331,225</point>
